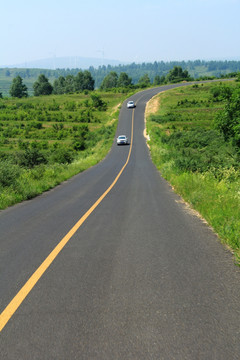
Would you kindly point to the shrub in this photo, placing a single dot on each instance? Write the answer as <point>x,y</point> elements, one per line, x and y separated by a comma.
<point>9,173</point>
<point>199,150</point>
<point>62,156</point>
<point>79,144</point>
<point>220,93</point>
<point>98,103</point>
<point>228,121</point>
<point>70,106</point>
<point>31,157</point>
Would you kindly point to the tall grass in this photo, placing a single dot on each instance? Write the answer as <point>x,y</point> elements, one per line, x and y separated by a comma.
<point>194,158</point>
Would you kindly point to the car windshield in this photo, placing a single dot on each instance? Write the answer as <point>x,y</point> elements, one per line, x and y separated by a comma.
<point>122,137</point>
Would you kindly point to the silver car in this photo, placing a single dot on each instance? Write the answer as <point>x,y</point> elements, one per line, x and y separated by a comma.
<point>130,104</point>
<point>122,140</point>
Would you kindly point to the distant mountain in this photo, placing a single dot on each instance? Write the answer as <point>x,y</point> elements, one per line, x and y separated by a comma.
<point>70,62</point>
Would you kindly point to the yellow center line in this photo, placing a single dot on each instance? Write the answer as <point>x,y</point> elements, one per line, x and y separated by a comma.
<point>12,307</point>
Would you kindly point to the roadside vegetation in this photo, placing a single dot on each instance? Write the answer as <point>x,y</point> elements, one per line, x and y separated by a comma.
<point>45,140</point>
<point>195,143</point>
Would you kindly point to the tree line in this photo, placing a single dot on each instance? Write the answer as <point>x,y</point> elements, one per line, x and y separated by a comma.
<point>84,81</point>
<point>63,85</point>
<point>156,72</point>
<point>196,68</point>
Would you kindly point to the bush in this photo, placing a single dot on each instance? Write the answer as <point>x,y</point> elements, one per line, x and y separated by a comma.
<point>220,93</point>
<point>70,106</point>
<point>62,156</point>
<point>31,157</point>
<point>9,173</point>
<point>228,121</point>
<point>98,103</point>
<point>79,145</point>
<point>199,150</point>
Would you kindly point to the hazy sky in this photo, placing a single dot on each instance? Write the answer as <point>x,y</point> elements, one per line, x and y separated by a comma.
<point>125,30</point>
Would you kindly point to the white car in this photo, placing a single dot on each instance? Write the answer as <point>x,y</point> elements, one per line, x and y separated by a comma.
<point>122,140</point>
<point>130,104</point>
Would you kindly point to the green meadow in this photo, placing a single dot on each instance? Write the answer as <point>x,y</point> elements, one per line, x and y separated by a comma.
<point>195,157</point>
<point>46,140</point>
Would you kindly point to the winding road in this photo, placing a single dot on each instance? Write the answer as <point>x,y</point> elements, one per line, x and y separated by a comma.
<point>112,265</point>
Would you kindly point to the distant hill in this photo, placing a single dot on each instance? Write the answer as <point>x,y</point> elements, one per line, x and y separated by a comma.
<point>69,62</point>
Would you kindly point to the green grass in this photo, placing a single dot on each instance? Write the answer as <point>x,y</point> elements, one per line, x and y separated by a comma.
<point>32,182</point>
<point>46,140</point>
<point>193,156</point>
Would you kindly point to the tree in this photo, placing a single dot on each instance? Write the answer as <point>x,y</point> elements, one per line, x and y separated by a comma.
<point>144,81</point>
<point>177,74</point>
<point>124,80</point>
<point>69,84</point>
<point>78,80</point>
<point>84,81</point>
<point>18,89</point>
<point>88,81</point>
<point>110,81</point>
<point>157,80</point>
<point>42,86</point>
<point>59,85</point>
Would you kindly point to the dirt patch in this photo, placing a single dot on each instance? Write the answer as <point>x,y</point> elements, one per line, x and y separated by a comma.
<point>115,108</point>
<point>112,121</point>
<point>152,105</point>
<point>151,108</point>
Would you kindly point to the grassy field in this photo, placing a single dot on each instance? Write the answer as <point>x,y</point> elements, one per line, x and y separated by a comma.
<point>192,155</point>
<point>46,140</point>
<point>51,120</point>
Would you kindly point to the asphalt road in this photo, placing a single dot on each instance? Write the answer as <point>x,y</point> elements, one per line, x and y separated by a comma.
<point>142,277</point>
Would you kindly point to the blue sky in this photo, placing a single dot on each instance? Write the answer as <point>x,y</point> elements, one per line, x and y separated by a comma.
<point>130,31</point>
